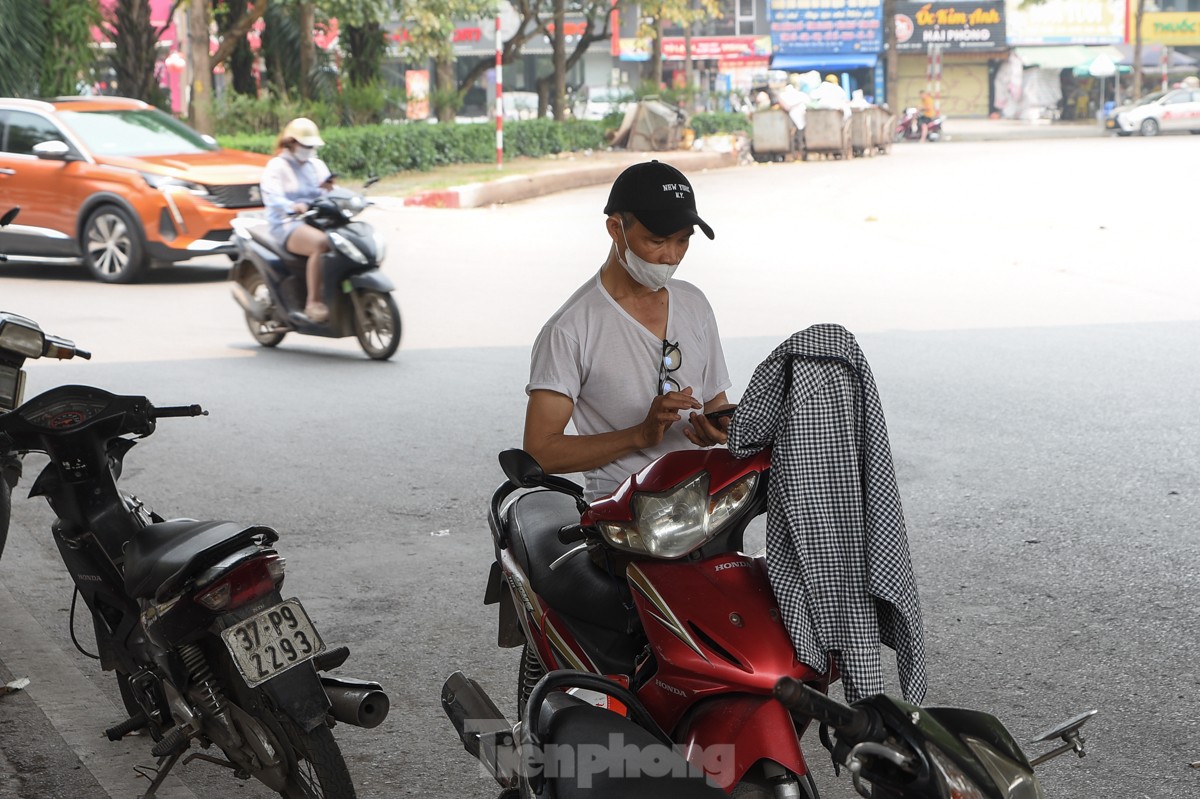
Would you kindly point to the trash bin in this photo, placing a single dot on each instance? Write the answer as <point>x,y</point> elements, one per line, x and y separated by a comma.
<point>862,138</point>
<point>827,130</point>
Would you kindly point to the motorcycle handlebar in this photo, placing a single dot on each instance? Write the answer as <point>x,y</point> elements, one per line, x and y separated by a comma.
<point>63,349</point>
<point>177,410</point>
<point>851,722</point>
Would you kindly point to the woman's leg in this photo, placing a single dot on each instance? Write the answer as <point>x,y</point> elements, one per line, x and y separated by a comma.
<point>310,242</point>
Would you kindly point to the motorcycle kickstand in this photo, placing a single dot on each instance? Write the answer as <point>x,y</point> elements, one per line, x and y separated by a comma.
<point>161,773</point>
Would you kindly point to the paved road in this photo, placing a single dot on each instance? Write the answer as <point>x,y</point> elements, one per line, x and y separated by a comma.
<point>1033,333</point>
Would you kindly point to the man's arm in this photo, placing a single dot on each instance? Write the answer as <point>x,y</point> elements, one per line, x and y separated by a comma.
<point>546,417</point>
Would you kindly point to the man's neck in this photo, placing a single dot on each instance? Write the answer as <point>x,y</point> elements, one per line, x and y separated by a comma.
<point>647,306</point>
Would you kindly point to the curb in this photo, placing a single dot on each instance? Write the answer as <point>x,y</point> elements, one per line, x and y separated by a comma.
<point>515,188</point>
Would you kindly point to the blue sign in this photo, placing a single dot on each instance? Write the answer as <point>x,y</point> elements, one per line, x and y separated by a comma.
<point>826,26</point>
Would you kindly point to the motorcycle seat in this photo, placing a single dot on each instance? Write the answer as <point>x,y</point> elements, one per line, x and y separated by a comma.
<point>161,557</point>
<point>577,588</point>
<point>261,235</point>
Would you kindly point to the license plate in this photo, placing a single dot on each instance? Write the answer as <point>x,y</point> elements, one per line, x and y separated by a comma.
<point>1111,123</point>
<point>269,643</point>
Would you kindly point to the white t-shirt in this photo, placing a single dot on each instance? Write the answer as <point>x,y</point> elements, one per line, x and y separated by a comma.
<point>606,362</point>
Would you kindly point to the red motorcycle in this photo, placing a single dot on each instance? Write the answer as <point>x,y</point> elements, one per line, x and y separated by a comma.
<point>909,127</point>
<point>648,586</point>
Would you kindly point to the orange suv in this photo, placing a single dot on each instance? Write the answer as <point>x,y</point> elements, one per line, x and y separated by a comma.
<point>117,184</point>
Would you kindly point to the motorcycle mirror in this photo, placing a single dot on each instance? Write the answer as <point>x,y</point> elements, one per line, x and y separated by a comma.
<point>1068,731</point>
<point>521,468</point>
<point>9,216</point>
<point>371,181</point>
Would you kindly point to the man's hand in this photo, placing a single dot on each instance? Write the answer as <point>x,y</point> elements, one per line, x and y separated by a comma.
<point>705,433</point>
<point>664,412</point>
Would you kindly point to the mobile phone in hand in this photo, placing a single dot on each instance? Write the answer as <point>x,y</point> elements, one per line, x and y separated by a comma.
<point>716,416</point>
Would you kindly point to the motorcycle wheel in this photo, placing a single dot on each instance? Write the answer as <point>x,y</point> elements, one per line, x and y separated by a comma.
<point>755,785</point>
<point>377,324</point>
<point>317,769</point>
<point>265,334</point>
<point>528,674</point>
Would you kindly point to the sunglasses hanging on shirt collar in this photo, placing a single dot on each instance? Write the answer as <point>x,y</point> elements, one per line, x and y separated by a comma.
<point>670,361</point>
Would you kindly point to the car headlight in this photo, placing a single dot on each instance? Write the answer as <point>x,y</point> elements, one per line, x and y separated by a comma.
<point>348,248</point>
<point>673,523</point>
<point>1014,780</point>
<point>164,183</point>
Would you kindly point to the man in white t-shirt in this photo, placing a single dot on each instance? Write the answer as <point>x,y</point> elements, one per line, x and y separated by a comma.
<point>632,350</point>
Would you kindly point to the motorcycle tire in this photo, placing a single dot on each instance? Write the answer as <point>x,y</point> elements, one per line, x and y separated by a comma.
<point>756,786</point>
<point>5,512</point>
<point>528,674</point>
<point>377,324</point>
<point>316,768</point>
<point>264,334</point>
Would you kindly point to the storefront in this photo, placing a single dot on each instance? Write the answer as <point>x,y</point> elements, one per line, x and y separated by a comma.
<point>721,64</point>
<point>953,50</point>
<point>838,37</point>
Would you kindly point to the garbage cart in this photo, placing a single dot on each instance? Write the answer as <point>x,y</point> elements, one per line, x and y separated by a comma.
<point>862,132</point>
<point>827,131</point>
<point>883,124</point>
<point>775,136</point>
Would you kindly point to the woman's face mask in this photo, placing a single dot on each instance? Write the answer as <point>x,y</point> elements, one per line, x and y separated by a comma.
<point>652,276</point>
<point>302,154</point>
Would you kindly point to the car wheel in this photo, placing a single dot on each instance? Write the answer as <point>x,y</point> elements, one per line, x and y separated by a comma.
<point>1149,127</point>
<point>113,248</point>
<point>1194,132</point>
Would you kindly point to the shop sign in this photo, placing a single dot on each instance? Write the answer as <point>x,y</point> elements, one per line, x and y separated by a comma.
<point>416,86</point>
<point>826,27</point>
<point>1174,29</point>
<point>704,48</point>
<point>954,26</point>
<point>1066,22</point>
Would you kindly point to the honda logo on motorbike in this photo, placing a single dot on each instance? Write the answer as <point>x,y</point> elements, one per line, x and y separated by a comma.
<point>733,564</point>
<point>670,688</point>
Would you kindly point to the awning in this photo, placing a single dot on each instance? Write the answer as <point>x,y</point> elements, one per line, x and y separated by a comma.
<point>1067,56</point>
<point>832,62</point>
<point>1152,56</point>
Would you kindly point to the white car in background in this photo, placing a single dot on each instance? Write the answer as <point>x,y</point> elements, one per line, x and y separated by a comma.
<point>597,102</point>
<point>1174,109</point>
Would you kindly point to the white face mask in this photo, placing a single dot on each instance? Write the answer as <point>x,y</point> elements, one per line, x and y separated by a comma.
<point>652,276</point>
<point>302,154</point>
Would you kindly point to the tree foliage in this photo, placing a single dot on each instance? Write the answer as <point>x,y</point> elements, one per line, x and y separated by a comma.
<point>23,38</point>
<point>655,15</point>
<point>68,56</point>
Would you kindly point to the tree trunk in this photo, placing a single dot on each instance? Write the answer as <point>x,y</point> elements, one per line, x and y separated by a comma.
<point>560,60</point>
<point>365,46</point>
<point>656,53</point>
<point>308,47</point>
<point>445,96</point>
<point>891,66</point>
<point>241,60</point>
<point>200,107</point>
<point>133,54</point>
<point>1137,51</point>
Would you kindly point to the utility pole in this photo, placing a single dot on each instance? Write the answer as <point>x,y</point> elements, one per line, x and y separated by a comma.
<point>200,107</point>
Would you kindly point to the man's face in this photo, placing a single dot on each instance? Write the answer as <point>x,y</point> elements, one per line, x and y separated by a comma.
<point>649,245</point>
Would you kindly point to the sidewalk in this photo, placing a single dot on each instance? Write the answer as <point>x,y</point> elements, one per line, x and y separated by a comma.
<point>570,171</point>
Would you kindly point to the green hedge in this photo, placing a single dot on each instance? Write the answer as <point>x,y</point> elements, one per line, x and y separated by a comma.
<point>710,124</point>
<point>419,146</point>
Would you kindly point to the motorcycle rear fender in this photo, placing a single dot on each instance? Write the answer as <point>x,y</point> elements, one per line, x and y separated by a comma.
<point>728,735</point>
<point>509,633</point>
<point>373,280</point>
<point>298,693</point>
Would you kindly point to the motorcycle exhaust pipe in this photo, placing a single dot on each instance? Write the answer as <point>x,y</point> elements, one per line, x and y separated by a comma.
<point>485,733</point>
<point>257,311</point>
<point>357,702</point>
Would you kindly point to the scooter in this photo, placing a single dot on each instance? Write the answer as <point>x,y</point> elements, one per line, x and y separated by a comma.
<point>909,127</point>
<point>269,282</point>
<point>190,614</point>
<point>896,750</point>
<point>649,586</point>
<point>569,745</point>
<point>10,465</point>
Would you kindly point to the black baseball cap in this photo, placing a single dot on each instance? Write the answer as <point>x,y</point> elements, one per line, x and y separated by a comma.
<point>659,196</point>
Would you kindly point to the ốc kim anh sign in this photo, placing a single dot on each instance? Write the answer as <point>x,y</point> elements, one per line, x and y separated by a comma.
<point>967,26</point>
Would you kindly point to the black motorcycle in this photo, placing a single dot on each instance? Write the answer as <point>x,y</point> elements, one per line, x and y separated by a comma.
<point>269,282</point>
<point>189,614</point>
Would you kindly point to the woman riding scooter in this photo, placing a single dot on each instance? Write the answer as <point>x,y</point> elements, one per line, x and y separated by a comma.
<point>290,182</point>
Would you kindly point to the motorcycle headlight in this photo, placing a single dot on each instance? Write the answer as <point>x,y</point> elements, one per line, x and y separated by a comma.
<point>1013,779</point>
<point>21,336</point>
<point>380,247</point>
<point>348,248</point>
<point>956,784</point>
<point>164,183</point>
<point>675,522</point>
